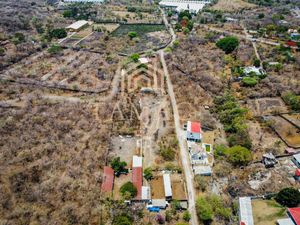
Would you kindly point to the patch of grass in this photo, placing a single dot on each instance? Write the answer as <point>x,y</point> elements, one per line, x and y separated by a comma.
<point>140,29</point>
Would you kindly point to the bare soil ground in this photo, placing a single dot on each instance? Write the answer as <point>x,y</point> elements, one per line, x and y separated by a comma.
<point>267,106</point>
<point>157,188</point>
<point>178,187</point>
<point>232,5</point>
<point>293,118</point>
<point>124,147</point>
<point>286,131</point>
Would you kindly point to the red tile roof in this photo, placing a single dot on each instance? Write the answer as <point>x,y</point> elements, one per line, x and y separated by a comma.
<point>196,127</point>
<point>291,43</point>
<point>295,214</point>
<point>137,180</point>
<point>297,173</point>
<point>108,179</point>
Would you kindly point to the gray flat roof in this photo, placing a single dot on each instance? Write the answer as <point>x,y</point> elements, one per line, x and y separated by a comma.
<point>286,221</point>
<point>245,209</point>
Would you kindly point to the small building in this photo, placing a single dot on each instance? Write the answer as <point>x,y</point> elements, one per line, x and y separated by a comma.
<point>294,214</point>
<point>167,186</point>
<point>159,203</point>
<point>297,175</point>
<point>295,36</point>
<point>245,211</point>
<point>193,131</point>
<point>291,43</point>
<point>193,6</point>
<point>137,180</point>
<point>269,160</point>
<point>202,170</point>
<point>146,193</point>
<point>137,161</point>
<point>77,26</point>
<point>252,69</point>
<point>296,160</point>
<point>285,221</point>
<point>144,60</point>
<point>108,179</point>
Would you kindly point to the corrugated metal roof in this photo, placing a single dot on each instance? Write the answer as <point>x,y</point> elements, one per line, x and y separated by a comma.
<point>295,214</point>
<point>161,203</point>
<point>78,24</point>
<point>108,179</point>
<point>146,193</point>
<point>286,221</point>
<point>202,170</point>
<point>137,180</point>
<point>245,209</point>
<point>297,157</point>
<point>167,185</point>
<point>137,161</point>
<point>194,127</point>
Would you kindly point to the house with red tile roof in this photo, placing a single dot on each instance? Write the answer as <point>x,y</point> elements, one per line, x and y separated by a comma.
<point>294,214</point>
<point>108,179</point>
<point>193,131</point>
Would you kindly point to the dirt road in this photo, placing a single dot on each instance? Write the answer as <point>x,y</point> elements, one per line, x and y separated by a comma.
<point>181,140</point>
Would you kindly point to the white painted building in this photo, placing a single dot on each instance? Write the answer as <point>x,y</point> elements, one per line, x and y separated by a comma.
<point>193,6</point>
<point>77,25</point>
<point>146,194</point>
<point>83,1</point>
<point>245,211</point>
<point>137,161</point>
<point>167,186</point>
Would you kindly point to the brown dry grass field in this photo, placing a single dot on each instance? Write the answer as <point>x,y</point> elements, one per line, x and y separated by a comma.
<point>266,212</point>
<point>232,5</point>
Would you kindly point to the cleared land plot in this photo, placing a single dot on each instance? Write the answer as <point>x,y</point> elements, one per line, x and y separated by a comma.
<point>232,5</point>
<point>74,69</point>
<point>287,131</point>
<point>140,29</point>
<point>178,187</point>
<point>124,147</point>
<point>293,118</point>
<point>118,182</point>
<point>110,27</point>
<point>267,106</point>
<point>157,188</point>
<point>133,17</point>
<point>267,212</point>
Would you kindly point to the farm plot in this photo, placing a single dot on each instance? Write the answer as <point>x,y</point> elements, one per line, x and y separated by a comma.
<point>293,118</point>
<point>267,212</point>
<point>267,106</point>
<point>149,36</point>
<point>76,70</point>
<point>287,131</point>
<point>132,17</point>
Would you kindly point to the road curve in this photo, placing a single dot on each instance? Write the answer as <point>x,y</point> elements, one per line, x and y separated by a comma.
<point>181,140</point>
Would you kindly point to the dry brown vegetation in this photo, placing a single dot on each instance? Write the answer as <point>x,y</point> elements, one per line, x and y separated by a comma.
<point>232,5</point>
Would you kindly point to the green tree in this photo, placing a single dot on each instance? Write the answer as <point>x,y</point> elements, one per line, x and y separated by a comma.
<point>238,155</point>
<point>186,216</point>
<point>186,30</point>
<point>183,14</point>
<point>261,15</point>
<point>132,34</point>
<point>118,166</point>
<point>2,51</point>
<point>292,100</point>
<point>249,81</point>
<point>178,27</point>
<point>148,173</point>
<point>228,44</point>
<point>204,210</point>
<point>128,188</point>
<point>256,62</point>
<point>289,197</point>
<point>190,25</point>
<point>135,57</point>
<point>18,38</point>
<point>54,49</point>
<point>58,33</point>
<point>123,219</point>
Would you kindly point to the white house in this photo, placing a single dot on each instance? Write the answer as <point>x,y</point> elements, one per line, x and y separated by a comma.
<point>167,186</point>
<point>193,6</point>
<point>78,25</point>
<point>245,211</point>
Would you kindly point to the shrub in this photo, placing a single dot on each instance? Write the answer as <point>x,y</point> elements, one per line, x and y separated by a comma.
<point>128,188</point>
<point>204,210</point>
<point>122,219</point>
<point>289,197</point>
<point>2,51</point>
<point>167,153</point>
<point>148,173</point>
<point>256,63</point>
<point>186,216</point>
<point>54,49</point>
<point>18,38</point>
<point>249,81</point>
<point>292,100</point>
<point>228,44</point>
<point>186,30</point>
<point>201,182</point>
<point>238,155</point>
<point>132,34</point>
<point>135,57</point>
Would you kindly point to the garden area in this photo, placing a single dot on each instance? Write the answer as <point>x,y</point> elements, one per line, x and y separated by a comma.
<point>141,37</point>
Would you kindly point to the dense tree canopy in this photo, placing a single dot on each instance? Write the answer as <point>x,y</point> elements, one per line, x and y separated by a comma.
<point>128,189</point>
<point>228,44</point>
<point>289,197</point>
